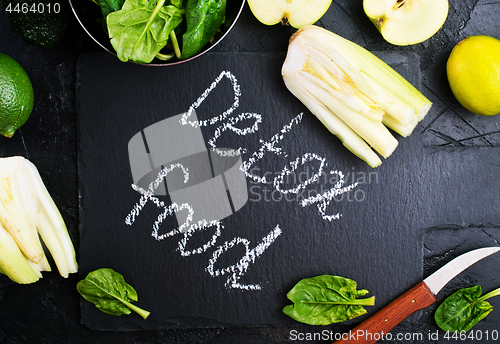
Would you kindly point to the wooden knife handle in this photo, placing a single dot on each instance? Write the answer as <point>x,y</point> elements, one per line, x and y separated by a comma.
<point>382,322</point>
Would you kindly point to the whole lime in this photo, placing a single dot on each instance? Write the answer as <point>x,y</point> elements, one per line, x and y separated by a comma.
<point>473,70</point>
<point>16,96</point>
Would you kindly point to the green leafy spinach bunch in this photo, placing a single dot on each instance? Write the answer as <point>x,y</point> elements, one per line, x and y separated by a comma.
<point>140,30</point>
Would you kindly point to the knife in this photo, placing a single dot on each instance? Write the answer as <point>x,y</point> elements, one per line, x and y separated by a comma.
<point>419,297</point>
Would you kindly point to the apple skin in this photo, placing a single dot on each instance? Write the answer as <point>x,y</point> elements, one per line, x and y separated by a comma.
<point>296,13</point>
<point>407,22</point>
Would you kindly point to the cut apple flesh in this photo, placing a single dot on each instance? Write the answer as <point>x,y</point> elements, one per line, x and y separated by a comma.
<point>297,13</point>
<point>405,22</point>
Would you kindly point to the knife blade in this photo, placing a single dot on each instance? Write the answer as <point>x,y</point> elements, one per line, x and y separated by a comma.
<point>419,297</point>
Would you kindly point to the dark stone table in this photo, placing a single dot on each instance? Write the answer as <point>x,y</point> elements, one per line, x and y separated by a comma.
<point>49,310</point>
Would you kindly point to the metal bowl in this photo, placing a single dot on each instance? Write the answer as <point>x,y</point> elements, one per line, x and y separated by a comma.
<point>87,13</point>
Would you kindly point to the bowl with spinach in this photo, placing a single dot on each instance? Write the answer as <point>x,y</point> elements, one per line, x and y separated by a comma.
<point>157,32</point>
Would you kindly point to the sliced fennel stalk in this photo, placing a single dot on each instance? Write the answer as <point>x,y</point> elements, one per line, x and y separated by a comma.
<point>17,222</point>
<point>352,92</point>
<point>13,263</point>
<point>27,212</point>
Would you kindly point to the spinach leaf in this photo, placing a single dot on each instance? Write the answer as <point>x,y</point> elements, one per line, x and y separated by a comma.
<point>108,6</point>
<point>326,299</point>
<point>203,19</point>
<point>141,29</point>
<point>109,292</point>
<point>180,4</point>
<point>464,309</point>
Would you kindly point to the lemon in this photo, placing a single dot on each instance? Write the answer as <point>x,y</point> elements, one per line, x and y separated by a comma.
<point>473,70</point>
<point>16,96</point>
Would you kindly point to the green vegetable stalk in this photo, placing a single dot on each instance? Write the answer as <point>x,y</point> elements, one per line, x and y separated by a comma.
<point>326,299</point>
<point>26,212</point>
<point>110,293</point>
<point>357,96</point>
<point>13,263</point>
<point>464,309</point>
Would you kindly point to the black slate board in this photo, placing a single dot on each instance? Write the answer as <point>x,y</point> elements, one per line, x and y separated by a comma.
<point>189,280</point>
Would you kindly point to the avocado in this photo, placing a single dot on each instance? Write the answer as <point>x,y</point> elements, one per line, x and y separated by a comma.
<point>41,23</point>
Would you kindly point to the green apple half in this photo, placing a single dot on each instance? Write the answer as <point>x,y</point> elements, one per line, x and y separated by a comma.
<point>405,22</point>
<point>297,13</point>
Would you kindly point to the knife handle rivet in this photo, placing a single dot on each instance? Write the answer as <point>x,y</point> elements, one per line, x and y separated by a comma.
<point>413,301</point>
<point>386,320</point>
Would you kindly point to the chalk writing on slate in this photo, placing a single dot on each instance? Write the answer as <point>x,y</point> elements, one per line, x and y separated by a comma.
<point>207,183</point>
